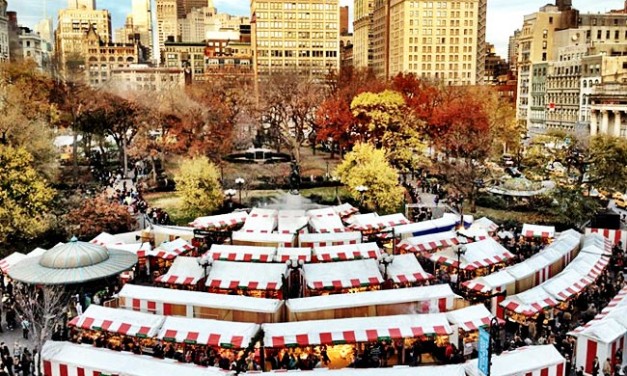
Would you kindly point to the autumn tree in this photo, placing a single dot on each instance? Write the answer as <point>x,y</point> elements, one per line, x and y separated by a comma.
<point>198,186</point>
<point>367,166</point>
<point>99,214</point>
<point>608,162</point>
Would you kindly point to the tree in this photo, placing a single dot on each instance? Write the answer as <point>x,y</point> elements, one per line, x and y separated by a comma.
<point>25,197</point>
<point>98,214</point>
<point>198,186</point>
<point>45,308</point>
<point>570,207</point>
<point>365,165</point>
<point>608,162</point>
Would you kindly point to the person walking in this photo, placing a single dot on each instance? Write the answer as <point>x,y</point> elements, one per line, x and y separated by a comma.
<point>25,327</point>
<point>607,368</point>
<point>596,367</point>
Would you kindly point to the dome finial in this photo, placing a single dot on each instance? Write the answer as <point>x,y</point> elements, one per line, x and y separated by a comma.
<point>74,239</point>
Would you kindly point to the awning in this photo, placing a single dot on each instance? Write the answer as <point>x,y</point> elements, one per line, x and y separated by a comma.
<point>226,252</point>
<point>140,249</point>
<point>259,238</point>
<point>261,220</point>
<point>12,259</point>
<point>374,222</point>
<point>347,252</point>
<point>536,231</point>
<point>485,223</point>
<point>342,275</point>
<point>226,275</point>
<point>222,221</point>
<point>567,284</point>
<point>283,254</point>
<point>354,330</point>
<point>170,250</point>
<point>613,236</point>
<point>406,269</point>
<point>183,271</point>
<point>105,238</point>
<point>529,360</point>
<point>325,221</point>
<point>345,210</point>
<point>490,283</point>
<point>426,227</point>
<point>470,318</point>
<point>480,254</point>
<point>292,221</point>
<point>226,334</point>
<point>529,302</point>
<point>589,264</point>
<point>429,243</point>
<point>328,239</point>
<point>121,321</point>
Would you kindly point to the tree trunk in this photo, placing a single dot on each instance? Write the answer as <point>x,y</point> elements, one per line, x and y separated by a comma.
<point>75,155</point>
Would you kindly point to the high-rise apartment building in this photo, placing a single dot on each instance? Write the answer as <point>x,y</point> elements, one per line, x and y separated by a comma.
<point>72,26</point>
<point>184,7</point>
<point>362,29</point>
<point>444,40</point>
<point>512,51</point>
<point>45,30</point>
<point>296,35</point>
<point>167,23</point>
<point>199,23</point>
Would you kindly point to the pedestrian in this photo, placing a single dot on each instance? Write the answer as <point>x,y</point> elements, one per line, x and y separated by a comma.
<point>25,328</point>
<point>607,368</point>
<point>596,367</point>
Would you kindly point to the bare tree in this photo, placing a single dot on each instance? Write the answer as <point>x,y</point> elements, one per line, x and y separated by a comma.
<point>44,307</point>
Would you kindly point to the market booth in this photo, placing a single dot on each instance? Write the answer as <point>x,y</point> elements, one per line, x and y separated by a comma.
<point>300,254</point>
<point>64,359</point>
<point>185,272</point>
<point>227,252</point>
<point>345,210</point>
<point>346,252</point>
<point>465,323</point>
<point>346,336</point>
<point>159,234</point>
<point>261,220</point>
<point>106,239</point>
<point>342,277</point>
<point>486,224</point>
<point>169,302</point>
<point>426,227</point>
<point>429,243</point>
<point>292,222</point>
<point>373,223</point>
<point>448,370</point>
<point>405,270</point>
<point>602,339</point>
<point>536,231</point>
<point>614,236</point>
<point>12,259</point>
<point>162,257</point>
<point>542,360</point>
<point>424,299</point>
<point>329,238</point>
<point>480,258</point>
<point>325,220</point>
<point>262,239</point>
<point>220,222</point>
<point>259,280</point>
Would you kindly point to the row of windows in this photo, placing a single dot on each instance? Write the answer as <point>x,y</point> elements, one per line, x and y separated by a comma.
<point>296,34</point>
<point>299,53</point>
<point>297,25</point>
<point>332,4</point>
<point>442,58</point>
<point>298,44</point>
<point>296,16</point>
<point>441,4</point>
<point>438,23</point>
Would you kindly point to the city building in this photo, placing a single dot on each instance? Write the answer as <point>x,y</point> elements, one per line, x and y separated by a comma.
<point>73,23</point>
<point>443,40</point>
<point>4,31</point>
<point>45,30</point>
<point>495,66</point>
<point>201,22</point>
<point>362,33</point>
<point>184,7</point>
<point>34,47</point>
<point>101,57</point>
<point>142,77</point>
<point>15,49</point>
<point>512,52</point>
<point>296,35</point>
<point>344,20</point>
<point>167,21</point>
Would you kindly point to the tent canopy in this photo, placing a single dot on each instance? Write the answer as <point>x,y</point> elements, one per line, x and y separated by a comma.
<point>521,361</point>
<point>566,284</point>
<point>183,271</point>
<point>292,221</point>
<point>406,269</point>
<point>169,250</point>
<point>246,275</point>
<point>272,239</point>
<point>484,223</point>
<point>329,238</point>
<point>325,220</point>
<point>227,252</point>
<point>347,252</point>
<point>119,321</point>
<point>342,275</point>
<point>426,227</point>
<point>470,318</point>
<point>207,332</point>
<point>345,210</point>
<point>480,254</point>
<point>529,302</point>
<point>220,221</point>
<point>354,330</point>
<point>490,282</point>
<point>372,221</point>
<point>448,370</point>
<point>606,331</point>
<point>104,238</point>
<point>430,242</point>
<point>12,259</point>
<point>287,253</point>
<point>261,220</point>
<point>537,231</point>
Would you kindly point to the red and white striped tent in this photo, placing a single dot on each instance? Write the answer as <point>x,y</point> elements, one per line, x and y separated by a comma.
<point>473,234</point>
<point>106,239</point>
<point>596,243</point>
<point>170,250</point>
<point>375,222</point>
<point>226,252</point>
<point>325,220</point>
<point>119,321</point>
<point>292,221</point>
<point>345,210</point>
<point>406,269</point>
<point>429,243</point>
<point>480,254</point>
<point>183,271</point>
<point>222,221</point>
<point>530,302</point>
<point>261,220</point>
<point>426,227</point>
<point>12,259</point>
<point>589,264</point>
<point>329,238</point>
<point>226,334</point>
<point>68,359</point>
<point>161,301</point>
<point>468,219</point>
<point>615,236</point>
<point>140,249</point>
<point>537,231</point>
<point>283,254</point>
<point>226,275</point>
<point>602,339</point>
<point>525,361</point>
<point>354,330</point>
<point>567,284</point>
<point>491,283</point>
<point>616,307</point>
<point>263,239</point>
<point>470,318</point>
<point>346,252</point>
<point>618,301</point>
<point>484,223</point>
<point>427,299</point>
<point>342,275</point>
<point>170,233</point>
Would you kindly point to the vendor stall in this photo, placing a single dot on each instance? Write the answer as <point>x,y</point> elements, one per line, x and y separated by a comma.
<point>329,238</point>
<point>220,222</point>
<point>246,278</point>
<point>227,252</point>
<point>602,339</point>
<point>483,254</point>
<point>292,221</point>
<point>160,258</point>
<point>425,299</point>
<point>263,239</point>
<point>429,243</point>
<point>537,231</point>
<point>197,304</point>
<point>325,221</point>
<point>185,272</point>
<point>405,270</point>
<point>205,332</point>
<point>105,239</point>
<point>261,220</point>
<point>566,285</point>
<point>485,223</point>
<point>448,370</point>
<point>424,228</point>
<point>284,254</point>
<point>529,361</point>
<point>493,287</point>
<point>346,252</point>
<point>12,259</point>
<point>372,222</point>
<point>345,210</point>
<point>340,277</point>
<point>468,219</point>
<point>160,234</point>
<point>616,237</point>
<point>465,323</point>
<point>528,303</point>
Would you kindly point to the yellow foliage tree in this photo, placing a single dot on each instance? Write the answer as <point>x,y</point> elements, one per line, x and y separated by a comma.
<point>198,185</point>
<point>368,166</point>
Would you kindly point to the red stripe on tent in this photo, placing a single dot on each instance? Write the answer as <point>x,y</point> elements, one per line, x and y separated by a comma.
<point>402,278</point>
<point>418,332</point>
<point>214,340</point>
<point>233,285</point>
<point>167,309</point>
<point>63,370</point>
<point>247,257</point>
<point>591,352</point>
<point>560,369</point>
<point>395,333</point>
<point>144,330</point>
<point>136,304</point>
<point>272,286</point>
<point>80,371</point>
<point>355,282</point>
<point>373,280</point>
<point>87,323</point>
<point>337,284</point>
<point>442,304</point>
<point>106,324</point>
<point>253,285</point>
<point>326,338</point>
<point>439,329</point>
<point>47,368</point>
<point>192,336</point>
<point>214,283</point>
<point>96,373</point>
<point>529,234</point>
<point>172,279</point>
<point>372,335</point>
<point>170,334</point>
<point>278,341</point>
<point>349,336</point>
<point>188,281</point>
<point>124,328</point>
<point>236,341</point>
<point>318,285</point>
<point>152,306</point>
<point>302,339</point>
<point>544,372</point>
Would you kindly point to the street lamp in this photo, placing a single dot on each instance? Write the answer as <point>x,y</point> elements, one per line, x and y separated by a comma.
<point>362,189</point>
<point>293,265</point>
<point>240,183</point>
<point>386,260</point>
<point>205,262</point>
<point>460,250</point>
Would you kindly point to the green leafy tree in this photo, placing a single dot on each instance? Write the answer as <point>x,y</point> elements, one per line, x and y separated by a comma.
<point>368,166</point>
<point>570,207</point>
<point>25,197</point>
<point>608,167</point>
<point>198,185</point>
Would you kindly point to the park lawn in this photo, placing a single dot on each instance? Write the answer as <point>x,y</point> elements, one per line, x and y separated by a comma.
<point>501,216</point>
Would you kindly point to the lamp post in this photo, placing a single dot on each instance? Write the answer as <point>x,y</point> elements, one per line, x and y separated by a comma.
<point>240,184</point>
<point>386,260</point>
<point>294,265</point>
<point>230,193</point>
<point>362,189</point>
<point>205,262</point>
<point>460,251</point>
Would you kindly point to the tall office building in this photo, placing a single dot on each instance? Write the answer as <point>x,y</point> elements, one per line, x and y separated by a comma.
<point>362,28</point>
<point>444,40</point>
<point>167,23</point>
<point>296,35</point>
<point>512,51</point>
<point>72,25</point>
<point>184,7</point>
<point>4,32</point>
<point>344,20</point>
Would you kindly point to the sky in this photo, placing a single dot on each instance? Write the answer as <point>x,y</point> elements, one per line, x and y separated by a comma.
<point>504,16</point>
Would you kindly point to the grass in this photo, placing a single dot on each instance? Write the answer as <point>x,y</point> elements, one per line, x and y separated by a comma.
<point>501,216</point>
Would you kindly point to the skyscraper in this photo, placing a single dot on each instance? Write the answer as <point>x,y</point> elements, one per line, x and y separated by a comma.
<point>362,29</point>
<point>344,20</point>
<point>166,21</point>
<point>183,7</point>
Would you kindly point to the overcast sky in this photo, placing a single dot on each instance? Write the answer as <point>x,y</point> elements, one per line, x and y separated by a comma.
<point>504,16</point>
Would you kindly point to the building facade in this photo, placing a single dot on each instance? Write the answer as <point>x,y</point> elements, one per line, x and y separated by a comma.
<point>344,20</point>
<point>34,47</point>
<point>4,32</point>
<point>300,36</point>
<point>142,77</point>
<point>167,21</point>
<point>184,7</point>
<point>102,57</point>
<point>362,33</point>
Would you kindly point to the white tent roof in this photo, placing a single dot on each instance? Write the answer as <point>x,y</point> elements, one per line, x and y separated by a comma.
<point>467,217</point>
<point>220,221</point>
<point>104,238</point>
<point>470,318</point>
<point>291,221</point>
<point>345,210</point>
<point>369,298</point>
<point>228,252</point>
<point>429,242</point>
<point>347,252</point>
<point>531,231</point>
<point>140,249</point>
<point>529,302</point>
<point>406,269</point>
<point>521,270</point>
<point>330,238</point>
<point>200,299</point>
<point>261,220</point>
<point>121,321</point>
<point>246,275</point>
<point>426,227</point>
<point>171,249</point>
<point>285,240</point>
<point>520,362</point>
<point>372,221</point>
<point>566,284</point>
<point>180,231</point>
<point>325,220</point>
<point>183,271</point>
<point>119,363</point>
<point>485,224</point>
<point>345,274</point>
<point>12,259</point>
<point>288,253</point>
<point>490,282</point>
<point>606,331</point>
<point>478,254</point>
<point>212,332</point>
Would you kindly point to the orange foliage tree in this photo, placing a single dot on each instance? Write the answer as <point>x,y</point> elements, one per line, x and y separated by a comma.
<point>98,214</point>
